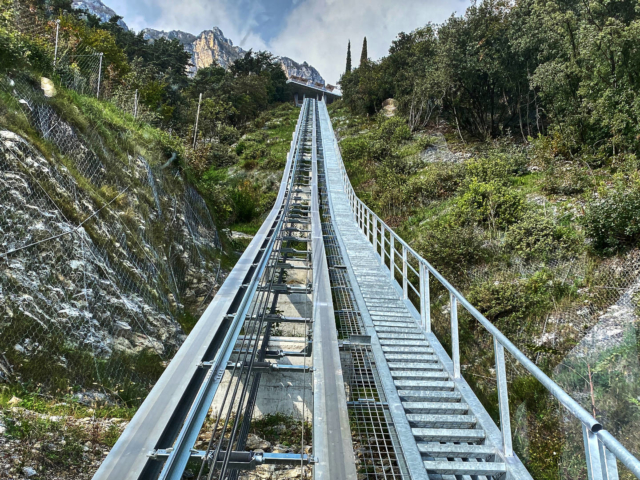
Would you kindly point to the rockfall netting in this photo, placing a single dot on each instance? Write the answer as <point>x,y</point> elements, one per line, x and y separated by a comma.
<point>100,259</point>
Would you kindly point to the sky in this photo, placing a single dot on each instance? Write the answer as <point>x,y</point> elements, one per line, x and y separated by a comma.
<point>315,31</point>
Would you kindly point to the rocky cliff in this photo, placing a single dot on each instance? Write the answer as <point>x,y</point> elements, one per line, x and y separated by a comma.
<point>205,48</point>
<point>303,70</point>
<point>99,9</point>
<point>212,45</point>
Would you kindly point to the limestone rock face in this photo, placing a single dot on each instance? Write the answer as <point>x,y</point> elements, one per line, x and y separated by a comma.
<point>99,9</point>
<point>212,46</point>
<point>205,48</point>
<point>183,37</point>
<point>303,70</point>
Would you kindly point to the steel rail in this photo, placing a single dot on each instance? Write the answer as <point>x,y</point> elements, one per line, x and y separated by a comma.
<point>295,179</point>
<point>174,466</point>
<point>158,420</point>
<point>601,440</point>
<point>332,442</point>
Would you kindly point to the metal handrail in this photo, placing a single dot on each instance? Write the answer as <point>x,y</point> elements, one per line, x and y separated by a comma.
<point>600,445</point>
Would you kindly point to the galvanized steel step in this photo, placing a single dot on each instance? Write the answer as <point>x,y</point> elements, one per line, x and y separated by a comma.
<point>448,434</point>
<point>438,450</point>
<point>413,365</point>
<point>403,349</point>
<point>427,420</point>
<point>429,396</point>
<point>419,375</point>
<point>441,408</point>
<point>392,357</point>
<point>465,468</point>
<point>424,385</point>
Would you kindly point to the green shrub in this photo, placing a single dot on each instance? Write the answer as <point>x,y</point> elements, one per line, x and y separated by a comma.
<point>490,204</point>
<point>394,130</point>
<point>613,223</point>
<point>221,156</point>
<point>537,237</point>
<point>452,248</point>
<point>435,181</point>
<point>228,134</point>
<point>402,134</point>
<point>355,148</point>
<point>568,179</point>
<point>498,168</point>
<point>510,301</point>
<point>246,201</point>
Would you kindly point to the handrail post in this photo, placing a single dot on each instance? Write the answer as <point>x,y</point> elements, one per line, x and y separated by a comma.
<point>608,462</point>
<point>375,234</point>
<point>425,300</point>
<point>392,255</point>
<point>503,398</point>
<point>405,280</point>
<point>455,342</point>
<point>383,253</point>
<point>369,226</point>
<point>592,454</point>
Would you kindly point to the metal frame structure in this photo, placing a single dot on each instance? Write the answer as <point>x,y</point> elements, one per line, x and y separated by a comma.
<point>394,254</point>
<point>173,411</point>
<point>370,367</point>
<point>332,443</point>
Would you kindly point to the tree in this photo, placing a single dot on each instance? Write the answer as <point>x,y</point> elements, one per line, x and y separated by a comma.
<point>364,57</point>
<point>348,69</point>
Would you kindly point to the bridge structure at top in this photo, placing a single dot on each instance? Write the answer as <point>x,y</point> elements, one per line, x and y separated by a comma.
<point>383,396</point>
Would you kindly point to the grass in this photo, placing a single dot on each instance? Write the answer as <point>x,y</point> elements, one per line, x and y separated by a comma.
<point>66,405</point>
<point>283,429</point>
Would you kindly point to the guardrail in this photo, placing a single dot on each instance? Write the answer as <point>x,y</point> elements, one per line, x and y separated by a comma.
<point>601,448</point>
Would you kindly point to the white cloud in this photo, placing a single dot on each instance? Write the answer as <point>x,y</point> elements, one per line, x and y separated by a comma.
<point>318,30</point>
<point>193,16</point>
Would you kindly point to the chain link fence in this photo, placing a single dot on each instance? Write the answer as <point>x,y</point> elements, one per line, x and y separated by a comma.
<point>101,260</point>
<point>76,65</point>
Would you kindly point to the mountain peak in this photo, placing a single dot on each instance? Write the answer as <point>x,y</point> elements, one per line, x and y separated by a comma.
<point>99,9</point>
<point>205,48</point>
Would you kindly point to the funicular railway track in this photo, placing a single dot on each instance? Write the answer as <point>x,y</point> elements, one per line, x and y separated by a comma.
<point>386,400</point>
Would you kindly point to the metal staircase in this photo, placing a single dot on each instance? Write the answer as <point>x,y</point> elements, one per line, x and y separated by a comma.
<point>388,400</point>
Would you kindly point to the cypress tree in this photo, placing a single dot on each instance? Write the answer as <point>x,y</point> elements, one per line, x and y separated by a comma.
<point>348,70</point>
<point>364,57</point>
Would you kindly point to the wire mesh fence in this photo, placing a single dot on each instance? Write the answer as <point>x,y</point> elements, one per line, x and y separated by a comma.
<point>76,65</point>
<point>100,259</point>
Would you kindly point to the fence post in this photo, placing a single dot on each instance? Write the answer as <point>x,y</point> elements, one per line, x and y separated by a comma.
<point>425,298</point>
<point>55,50</point>
<point>455,342</point>
<point>99,76</point>
<point>135,105</point>
<point>503,398</point>
<point>195,129</point>
<point>405,280</point>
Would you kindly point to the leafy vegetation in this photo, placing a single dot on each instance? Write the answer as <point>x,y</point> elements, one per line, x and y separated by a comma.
<point>526,230</point>
<point>529,67</point>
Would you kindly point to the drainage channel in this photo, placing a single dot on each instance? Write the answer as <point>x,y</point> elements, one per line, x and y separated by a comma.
<point>376,446</point>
